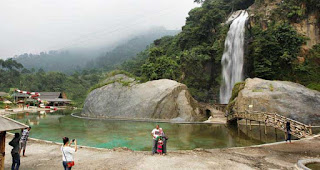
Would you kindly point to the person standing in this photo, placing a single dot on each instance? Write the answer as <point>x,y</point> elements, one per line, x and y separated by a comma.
<point>164,139</point>
<point>155,133</point>
<point>160,144</point>
<point>24,139</point>
<point>15,152</point>
<point>67,153</point>
<point>288,132</point>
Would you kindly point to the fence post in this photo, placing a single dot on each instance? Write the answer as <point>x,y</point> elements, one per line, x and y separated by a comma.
<point>265,128</point>
<point>310,129</point>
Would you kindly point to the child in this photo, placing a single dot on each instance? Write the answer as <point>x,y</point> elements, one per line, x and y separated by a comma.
<point>160,143</point>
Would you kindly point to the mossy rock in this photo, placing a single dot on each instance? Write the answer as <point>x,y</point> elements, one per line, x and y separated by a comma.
<point>235,91</point>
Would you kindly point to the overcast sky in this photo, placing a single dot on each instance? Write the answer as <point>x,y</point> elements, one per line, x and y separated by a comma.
<point>32,26</point>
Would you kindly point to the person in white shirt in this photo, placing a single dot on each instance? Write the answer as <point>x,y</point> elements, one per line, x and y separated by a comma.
<point>67,153</point>
<point>23,140</point>
<point>155,133</point>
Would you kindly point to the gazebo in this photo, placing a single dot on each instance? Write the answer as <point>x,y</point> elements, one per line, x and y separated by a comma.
<point>7,124</point>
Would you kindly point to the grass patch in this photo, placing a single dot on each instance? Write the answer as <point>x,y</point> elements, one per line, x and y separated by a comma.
<point>99,85</point>
<point>236,89</point>
<point>235,92</point>
<point>116,72</point>
<point>2,105</point>
<point>120,80</point>
<point>125,83</point>
<point>257,90</point>
<point>271,88</point>
<point>314,86</point>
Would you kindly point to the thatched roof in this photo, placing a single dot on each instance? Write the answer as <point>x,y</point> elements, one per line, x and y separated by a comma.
<point>46,96</point>
<point>3,94</point>
<point>20,95</point>
<point>53,97</point>
<point>7,124</point>
<point>56,100</point>
<point>50,95</point>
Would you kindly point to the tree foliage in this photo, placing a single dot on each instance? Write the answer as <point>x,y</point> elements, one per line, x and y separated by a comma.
<point>274,51</point>
<point>13,75</point>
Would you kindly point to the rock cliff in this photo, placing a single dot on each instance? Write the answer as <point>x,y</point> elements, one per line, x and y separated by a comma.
<point>286,98</point>
<point>263,13</point>
<point>158,99</point>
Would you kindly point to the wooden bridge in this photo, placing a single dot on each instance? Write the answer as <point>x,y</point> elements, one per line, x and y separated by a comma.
<point>277,121</point>
<point>220,107</point>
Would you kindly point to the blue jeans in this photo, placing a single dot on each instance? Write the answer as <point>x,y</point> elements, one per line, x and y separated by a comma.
<point>154,146</point>
<point>64,163</point>
<point>15,161</point>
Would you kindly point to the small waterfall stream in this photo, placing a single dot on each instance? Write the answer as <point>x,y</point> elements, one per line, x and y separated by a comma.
<point>232,59</point>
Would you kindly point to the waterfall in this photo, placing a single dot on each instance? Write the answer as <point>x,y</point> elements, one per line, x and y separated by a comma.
<point>232,59</point>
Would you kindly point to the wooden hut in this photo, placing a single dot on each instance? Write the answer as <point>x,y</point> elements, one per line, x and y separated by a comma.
<point>55,98</point>
<point>51,98</point>
<point>3,95</point>
<point>7,124</point>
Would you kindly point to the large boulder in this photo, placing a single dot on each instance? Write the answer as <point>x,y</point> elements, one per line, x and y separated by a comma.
<point>286,98</point>
<point>123,98</point>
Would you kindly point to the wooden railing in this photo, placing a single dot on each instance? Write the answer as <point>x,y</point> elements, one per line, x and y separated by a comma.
<point>298,129</point>
<point>220,107</point>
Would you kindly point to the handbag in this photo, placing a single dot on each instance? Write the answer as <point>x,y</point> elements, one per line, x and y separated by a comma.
<point>69,164</point>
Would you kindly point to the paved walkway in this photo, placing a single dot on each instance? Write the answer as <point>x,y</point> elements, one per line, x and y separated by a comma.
<point>42,155</point>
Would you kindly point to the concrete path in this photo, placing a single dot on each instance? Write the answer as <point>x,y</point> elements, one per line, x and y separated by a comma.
<point>43,155</point>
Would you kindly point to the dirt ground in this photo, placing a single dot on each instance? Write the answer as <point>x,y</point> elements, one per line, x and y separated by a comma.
<point>44,155</point>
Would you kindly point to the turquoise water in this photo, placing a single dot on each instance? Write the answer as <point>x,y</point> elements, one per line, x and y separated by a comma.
<point>137,135</point>
<point>314,166</point>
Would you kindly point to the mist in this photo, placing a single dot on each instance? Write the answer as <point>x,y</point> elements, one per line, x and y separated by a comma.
<point>41,25</point>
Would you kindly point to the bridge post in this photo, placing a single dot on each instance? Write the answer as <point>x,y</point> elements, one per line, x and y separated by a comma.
<point>310,129</point>
<point>265,128</point>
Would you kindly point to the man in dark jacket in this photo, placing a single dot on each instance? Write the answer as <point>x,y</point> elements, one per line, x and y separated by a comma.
<point>15,151</point>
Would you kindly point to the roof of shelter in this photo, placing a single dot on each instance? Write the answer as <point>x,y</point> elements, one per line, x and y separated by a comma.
<point>7,124</point>
<point>2,94</point>
<point>50,95</point>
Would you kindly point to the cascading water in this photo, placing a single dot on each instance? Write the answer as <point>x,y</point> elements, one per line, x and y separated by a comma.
<point>232,59</point>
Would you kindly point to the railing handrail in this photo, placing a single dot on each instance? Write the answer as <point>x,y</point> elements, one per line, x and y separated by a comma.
<point>299,129</point>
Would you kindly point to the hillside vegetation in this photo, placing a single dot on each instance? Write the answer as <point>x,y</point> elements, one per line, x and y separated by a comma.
<point>70,60</point>
<point>193,57</point>
<point>275,49</point>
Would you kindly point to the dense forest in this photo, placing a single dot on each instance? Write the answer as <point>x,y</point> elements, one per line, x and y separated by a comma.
<point>274,51</point>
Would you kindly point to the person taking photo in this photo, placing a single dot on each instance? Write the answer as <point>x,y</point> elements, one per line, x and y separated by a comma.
<point>67,153</point>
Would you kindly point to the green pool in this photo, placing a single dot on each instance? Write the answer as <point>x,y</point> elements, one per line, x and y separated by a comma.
<point>136,135</point>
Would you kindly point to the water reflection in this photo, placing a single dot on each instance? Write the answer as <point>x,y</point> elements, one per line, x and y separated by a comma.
<point>136,135</point>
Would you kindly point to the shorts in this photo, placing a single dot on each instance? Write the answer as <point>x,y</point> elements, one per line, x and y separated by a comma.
<point>23,144</point>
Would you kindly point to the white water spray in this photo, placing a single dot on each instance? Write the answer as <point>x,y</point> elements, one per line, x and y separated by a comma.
<point>232,59</point>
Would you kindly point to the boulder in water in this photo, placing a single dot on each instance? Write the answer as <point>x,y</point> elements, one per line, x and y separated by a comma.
<point>158,99</point>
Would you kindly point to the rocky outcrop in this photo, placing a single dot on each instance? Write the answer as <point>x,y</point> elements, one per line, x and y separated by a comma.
<point>309,27</point>
<point>286,98</point>
<point>262,14</point>
<point>158,99</point>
